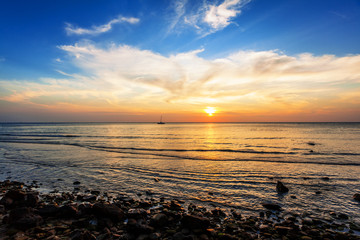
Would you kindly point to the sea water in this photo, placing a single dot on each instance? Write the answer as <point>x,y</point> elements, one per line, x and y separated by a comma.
<point>227,165</point>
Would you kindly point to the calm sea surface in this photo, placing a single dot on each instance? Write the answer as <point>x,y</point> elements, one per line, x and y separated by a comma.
<point>218,164</point>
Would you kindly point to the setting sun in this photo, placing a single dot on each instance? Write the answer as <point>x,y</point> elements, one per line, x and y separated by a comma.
<point>210,111</point>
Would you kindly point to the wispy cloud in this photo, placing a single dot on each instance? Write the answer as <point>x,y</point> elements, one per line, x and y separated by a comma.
<point>219,16</point>
<point>72,30</point>
<point>126,78</point>
<point>210,18</point>
<point>179,8</point>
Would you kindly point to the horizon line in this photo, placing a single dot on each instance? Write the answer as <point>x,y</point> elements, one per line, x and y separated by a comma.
<point>49,122</point>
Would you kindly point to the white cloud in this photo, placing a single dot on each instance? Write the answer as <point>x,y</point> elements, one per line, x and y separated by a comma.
<point>70,29</point>
<point>129,78</point>
<point>210,18</point>
<point>218,17</point>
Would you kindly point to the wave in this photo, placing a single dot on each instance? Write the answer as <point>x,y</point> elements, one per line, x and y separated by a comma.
<point>40,135</point>
<point>168,153</point>
<point>196,150</point>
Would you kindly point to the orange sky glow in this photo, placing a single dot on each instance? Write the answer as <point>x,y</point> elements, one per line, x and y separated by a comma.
<point>245,86</point>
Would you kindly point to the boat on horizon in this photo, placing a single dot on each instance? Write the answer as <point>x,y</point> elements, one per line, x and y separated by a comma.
<point>161,122</point>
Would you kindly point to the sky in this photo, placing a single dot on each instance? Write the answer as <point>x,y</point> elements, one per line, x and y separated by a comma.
<point>187,60</point>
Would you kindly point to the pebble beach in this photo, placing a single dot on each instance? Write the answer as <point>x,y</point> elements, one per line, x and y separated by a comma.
<point>26,213</point>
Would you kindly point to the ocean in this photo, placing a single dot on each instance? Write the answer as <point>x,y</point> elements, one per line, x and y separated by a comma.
<point>226,165</point>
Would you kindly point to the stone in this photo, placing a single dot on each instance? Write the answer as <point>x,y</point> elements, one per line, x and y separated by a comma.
<point>175,206</point>
<point>48,210</point>
<point>89,198</point>
<point>343,216</point>
<point>179,236</point>
<point>82,235</point>
<point>24,218</point>
<point>108,211</point>
<point>68,211</point>
<point>138,227</point>
<point>16,195</point>
<point>195,222</point>
<point>218,212</point>
<point>356,196</point>
<point>31,199</point>
<point>227,237</point>
<point>281,188</point>
<point>95,192</point>
<point>155,236</point>
<point>137,213</point>
<point>271,206</point>
<point>282,230</point>
<point>76,183</point>
<point>159,220</point>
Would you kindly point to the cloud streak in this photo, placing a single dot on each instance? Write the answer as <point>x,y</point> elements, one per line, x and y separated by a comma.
<point>94,30</point>
<point>248,82</point>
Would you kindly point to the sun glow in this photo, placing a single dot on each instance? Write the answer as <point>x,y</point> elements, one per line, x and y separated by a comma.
<point>210,111</point>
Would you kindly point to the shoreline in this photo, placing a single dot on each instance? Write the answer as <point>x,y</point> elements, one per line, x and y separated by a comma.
<point>26,213</point>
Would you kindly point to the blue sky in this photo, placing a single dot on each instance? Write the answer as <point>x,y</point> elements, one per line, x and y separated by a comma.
<point>42,39</point>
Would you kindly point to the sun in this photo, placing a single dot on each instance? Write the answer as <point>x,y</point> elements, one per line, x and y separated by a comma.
<point>210,111</point>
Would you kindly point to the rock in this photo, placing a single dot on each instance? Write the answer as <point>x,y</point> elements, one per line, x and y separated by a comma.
<point>48,210</point>
<point>89,198</point>
<point>108,211</point>
<point>145,204</point>
<point>325,178</point>
<point>175,206</point>
<point>179,236</point>
<point>282,230</point>
<point>95,192</point>
<point>159,220</point>
<point>227,237</point>
<point>271,206</point>
<point>16,195</point>
<point>343,216</point>
<point>137,213</point>
<point>218,212</point>
<point>281,188</point>
<point>311,143</point>
<point>155,236</point>
<point>156,179</point>
<point>138,227</point>
<point>68,211</point>
<point>31,199</point>
<point>82,235</point>
<point>356,196</point>
<point>76,183</point>
<point>23,218</point>
<point>195,222</point>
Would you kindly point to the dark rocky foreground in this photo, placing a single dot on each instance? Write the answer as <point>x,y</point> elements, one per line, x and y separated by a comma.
<point>27,214</point>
